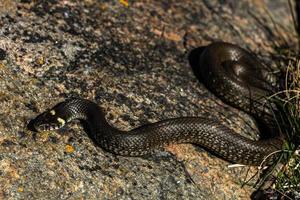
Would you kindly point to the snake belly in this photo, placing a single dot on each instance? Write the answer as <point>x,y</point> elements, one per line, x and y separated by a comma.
<point>230,72</point>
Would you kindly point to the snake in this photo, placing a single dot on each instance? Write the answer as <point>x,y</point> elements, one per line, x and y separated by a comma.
<point>233,74</point>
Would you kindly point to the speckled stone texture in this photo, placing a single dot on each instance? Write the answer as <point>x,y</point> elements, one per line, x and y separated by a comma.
<point>133,61</point>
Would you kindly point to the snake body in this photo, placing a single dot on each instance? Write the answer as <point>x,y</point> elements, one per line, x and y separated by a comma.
<point>230,72</point>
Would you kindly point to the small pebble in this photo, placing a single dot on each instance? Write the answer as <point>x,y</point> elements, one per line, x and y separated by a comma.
<point>2,54</point>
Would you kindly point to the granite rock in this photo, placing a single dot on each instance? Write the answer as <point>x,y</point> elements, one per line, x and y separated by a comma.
<point>133,60</point>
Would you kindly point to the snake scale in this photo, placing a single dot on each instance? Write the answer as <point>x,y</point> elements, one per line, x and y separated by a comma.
<point>230,72</point>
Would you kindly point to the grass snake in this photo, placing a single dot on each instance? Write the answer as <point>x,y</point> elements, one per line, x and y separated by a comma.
<point>230,72</point>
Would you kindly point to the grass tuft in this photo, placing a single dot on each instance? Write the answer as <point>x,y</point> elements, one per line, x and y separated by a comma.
<point>288,178</point>
<point>283,177</point>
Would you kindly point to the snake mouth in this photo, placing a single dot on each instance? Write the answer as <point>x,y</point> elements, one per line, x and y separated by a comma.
<point>46,127</point>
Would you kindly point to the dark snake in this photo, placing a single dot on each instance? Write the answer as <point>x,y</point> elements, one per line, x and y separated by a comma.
<point>230,72</point>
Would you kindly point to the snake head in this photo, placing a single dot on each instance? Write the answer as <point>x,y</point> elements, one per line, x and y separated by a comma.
<point>48,121</point>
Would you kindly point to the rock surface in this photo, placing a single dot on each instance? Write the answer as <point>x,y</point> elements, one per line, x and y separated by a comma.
<point>133,61</point>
